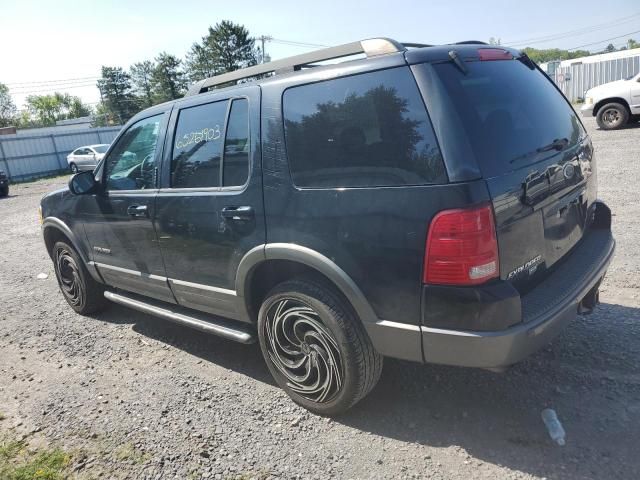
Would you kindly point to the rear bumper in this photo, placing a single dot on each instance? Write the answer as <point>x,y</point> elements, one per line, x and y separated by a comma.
<point>545,311</point>
<point>537,317</point>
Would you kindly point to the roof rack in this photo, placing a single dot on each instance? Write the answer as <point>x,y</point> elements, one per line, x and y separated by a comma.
<point>372,47</point>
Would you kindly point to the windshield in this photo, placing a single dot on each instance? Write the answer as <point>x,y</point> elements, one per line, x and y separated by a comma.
<point>101,148</point>
<point>513,116</point>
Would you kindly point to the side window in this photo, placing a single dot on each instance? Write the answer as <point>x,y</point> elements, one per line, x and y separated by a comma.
<point>131,163</point>
<point>236,145</point>
<point>361,131</point>
<point>197,146</point>
<point>80,151</point>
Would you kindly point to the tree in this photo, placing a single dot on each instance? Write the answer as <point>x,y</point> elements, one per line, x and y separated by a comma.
<point>118,98</point>
<point>610,48</point>
<point>550,54</point>
<point>227,47</point>
<point>199,63</point>
<point>494,41</point>
<point>168,79</point>
<point>47,109</point>
<point>631,43</point>
<point>142,80</point>
<point>7,107</point>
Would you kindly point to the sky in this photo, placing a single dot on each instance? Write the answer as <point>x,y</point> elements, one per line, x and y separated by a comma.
<point>48,46</point>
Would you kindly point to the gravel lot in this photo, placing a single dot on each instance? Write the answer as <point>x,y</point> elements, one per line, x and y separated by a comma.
<point>131,396</point>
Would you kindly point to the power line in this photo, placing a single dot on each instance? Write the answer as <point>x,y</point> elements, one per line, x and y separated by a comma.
<point>298,44</point>
<point>52,89</point>
<point>602,41</point>
<point>576,32</point>
<point>34,83</point>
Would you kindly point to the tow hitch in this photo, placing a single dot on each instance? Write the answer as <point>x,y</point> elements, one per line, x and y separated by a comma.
<point>589,302</point>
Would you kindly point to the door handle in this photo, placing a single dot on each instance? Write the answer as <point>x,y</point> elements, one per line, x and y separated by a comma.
<point>238,213</point>
<point>137,210</point>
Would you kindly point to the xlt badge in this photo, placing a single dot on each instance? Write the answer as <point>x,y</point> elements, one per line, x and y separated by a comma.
<point>106,251</point>
<point>531,266</point>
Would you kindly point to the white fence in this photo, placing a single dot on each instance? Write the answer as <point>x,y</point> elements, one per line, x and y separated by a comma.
<point>24,156</point>
<point>576,76</point>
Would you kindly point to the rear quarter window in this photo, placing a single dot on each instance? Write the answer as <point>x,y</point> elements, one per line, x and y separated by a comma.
<point>361,131</point>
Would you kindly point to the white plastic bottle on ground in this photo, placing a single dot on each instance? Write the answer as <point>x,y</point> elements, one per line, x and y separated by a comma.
<point>554,427</point>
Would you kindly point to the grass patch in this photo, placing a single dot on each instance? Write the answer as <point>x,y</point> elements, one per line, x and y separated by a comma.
<point>127,452</point>
<point>18,463</point>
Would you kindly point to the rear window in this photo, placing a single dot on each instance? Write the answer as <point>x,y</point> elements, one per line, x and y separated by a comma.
<point>365,130</point>
<point>510,113</point>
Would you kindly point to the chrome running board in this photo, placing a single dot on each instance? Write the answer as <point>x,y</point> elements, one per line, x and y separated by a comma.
<point>202,322</point>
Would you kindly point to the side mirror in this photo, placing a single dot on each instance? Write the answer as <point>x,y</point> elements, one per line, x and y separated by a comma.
<point>83,183</point>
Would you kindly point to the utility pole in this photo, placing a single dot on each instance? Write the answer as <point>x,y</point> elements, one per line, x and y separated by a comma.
<point>263,39</point>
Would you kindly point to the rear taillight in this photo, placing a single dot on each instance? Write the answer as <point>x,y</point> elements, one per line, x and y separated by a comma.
<point>490,54</point>
<point>462,248</point>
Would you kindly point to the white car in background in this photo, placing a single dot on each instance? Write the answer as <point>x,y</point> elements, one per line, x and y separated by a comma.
<point>86,158</point>
<point>613,104</point>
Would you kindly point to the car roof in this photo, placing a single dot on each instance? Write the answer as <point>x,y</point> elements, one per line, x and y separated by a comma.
<point>412,53</point>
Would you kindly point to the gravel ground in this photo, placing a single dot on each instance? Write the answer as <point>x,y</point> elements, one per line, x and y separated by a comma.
<point>131,396</point>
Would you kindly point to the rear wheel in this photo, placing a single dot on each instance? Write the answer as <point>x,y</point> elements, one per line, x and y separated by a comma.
<point>73,167</point>
<point>612,116</point>
<point>316,348</point>
<point>79,289</point>
<point>4,191</point>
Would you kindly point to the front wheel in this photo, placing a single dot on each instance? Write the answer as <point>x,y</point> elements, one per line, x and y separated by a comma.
<point>79,289</point>
<point>612,116</point>
<point>316,348</point>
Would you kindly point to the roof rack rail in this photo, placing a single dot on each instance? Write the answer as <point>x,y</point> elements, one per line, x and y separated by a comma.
<point>371,47</point>
<point>416,45</point>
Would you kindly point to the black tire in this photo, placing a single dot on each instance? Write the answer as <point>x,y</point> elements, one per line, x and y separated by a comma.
<point>4,192</point>
<point>74,168</point>
<point>612,116</point>
<point>304,326</point>
<point>79,289</point>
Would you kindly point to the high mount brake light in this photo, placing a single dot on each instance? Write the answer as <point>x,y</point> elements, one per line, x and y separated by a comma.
<point>491,54</point>
<point>462,247</point>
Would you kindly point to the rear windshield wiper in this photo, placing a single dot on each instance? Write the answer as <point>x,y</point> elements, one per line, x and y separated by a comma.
<point>453,55</point>
<point>558,144</point>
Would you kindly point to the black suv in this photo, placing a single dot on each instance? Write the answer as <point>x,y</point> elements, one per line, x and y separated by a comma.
<point>428,203</point>
<point>4,184</point>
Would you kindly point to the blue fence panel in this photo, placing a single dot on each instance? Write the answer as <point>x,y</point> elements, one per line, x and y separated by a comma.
<point>25,156</point>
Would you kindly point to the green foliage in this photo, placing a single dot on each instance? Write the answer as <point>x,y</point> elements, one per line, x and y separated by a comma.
<point>168,79</point>
<point>550,54</point>
<point>7,107</point>
<point>142,80</point>
<point>227,47</point>
<point>45,110</point>
<point>116,91</point>
<point>17,463</point>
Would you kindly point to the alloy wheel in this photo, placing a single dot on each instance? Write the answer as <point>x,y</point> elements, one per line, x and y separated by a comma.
<point>611,117</point>
<point>303,350</point>
<point>69,278</point>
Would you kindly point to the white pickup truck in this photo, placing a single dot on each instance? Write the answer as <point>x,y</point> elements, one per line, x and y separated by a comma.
<point>613,104</point>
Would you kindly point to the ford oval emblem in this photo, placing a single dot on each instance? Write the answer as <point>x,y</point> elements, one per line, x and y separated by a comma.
<point>568,171</point>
